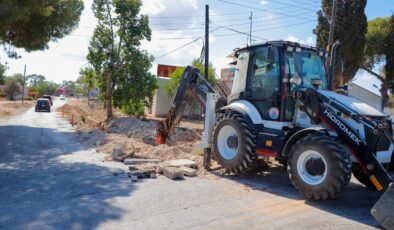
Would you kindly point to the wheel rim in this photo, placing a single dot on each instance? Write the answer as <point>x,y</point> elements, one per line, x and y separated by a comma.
<point>225,150</point>
<point>305,173</point>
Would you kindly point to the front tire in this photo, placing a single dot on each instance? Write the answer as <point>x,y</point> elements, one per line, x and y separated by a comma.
<point>233,143</point>
<point>318,167</point>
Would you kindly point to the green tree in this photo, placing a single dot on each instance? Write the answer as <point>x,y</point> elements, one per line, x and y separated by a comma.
<point>350,30</point>
<point>3,68</point>
<point>33,24</point>
<point>45,88</point>
<point>69,86</point>
<point>34,79</point>
<point>13,85</point>
<point>375,50</point>
<point>88,78</point>
<point>122,67</point>
<point>17,77</point>
<point>389,52</point>
<point>175,77</point>
<point>375,45</point>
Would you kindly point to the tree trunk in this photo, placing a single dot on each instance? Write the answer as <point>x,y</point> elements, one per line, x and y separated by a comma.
<point>88,95</point>
<point>109,96</point>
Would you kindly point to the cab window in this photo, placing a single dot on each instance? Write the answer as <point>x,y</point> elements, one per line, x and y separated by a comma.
<point>264,87</point>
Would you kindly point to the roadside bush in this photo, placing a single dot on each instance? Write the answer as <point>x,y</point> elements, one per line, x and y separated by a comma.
<point>29,98</point>
<point>134,108</point>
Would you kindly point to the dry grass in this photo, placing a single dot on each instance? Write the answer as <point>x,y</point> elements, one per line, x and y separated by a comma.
<point>10,108</point>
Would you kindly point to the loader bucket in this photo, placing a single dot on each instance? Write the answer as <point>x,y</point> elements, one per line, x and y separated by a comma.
<point>383,210</point>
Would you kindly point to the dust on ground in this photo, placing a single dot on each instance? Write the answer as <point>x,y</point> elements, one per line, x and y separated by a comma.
<point>10,108</point>
<point>140,135</point>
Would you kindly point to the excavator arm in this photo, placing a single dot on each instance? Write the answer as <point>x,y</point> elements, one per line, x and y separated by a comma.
<point>192,84</point>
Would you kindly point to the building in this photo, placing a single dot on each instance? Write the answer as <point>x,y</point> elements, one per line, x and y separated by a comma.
<point>227,76</point>
<point>365,87</point>
<point>162,101</point>
<point>366,96</point>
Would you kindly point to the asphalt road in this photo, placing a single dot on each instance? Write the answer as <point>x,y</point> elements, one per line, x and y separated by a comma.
<point>48,180</point>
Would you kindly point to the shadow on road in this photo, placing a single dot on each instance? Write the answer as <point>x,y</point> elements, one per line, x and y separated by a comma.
<point>46,182</point>
<point>354,202</point>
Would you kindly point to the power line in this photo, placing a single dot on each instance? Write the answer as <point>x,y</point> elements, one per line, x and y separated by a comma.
<point>237,24</point>
<point>298,13</point>
<point>187,44</point>
<point>283,3</point>
<point>237,31</point>
<point>272,28</point>
<point>172,51</point>
<point>259,9</point>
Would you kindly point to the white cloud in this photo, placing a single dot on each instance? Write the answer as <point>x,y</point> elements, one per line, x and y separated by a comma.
<point>64,58</point>
<point>152,7</point>
<point>310,41</point>
<point>220,62</point>
<point>264,2</point>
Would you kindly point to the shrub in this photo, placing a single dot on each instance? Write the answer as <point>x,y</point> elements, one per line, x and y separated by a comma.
<point>134,108</point>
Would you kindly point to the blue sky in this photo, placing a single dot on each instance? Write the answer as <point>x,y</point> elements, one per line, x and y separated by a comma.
<point>177,22</point>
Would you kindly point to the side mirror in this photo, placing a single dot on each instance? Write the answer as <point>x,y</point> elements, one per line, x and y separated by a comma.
<point>296,80</point>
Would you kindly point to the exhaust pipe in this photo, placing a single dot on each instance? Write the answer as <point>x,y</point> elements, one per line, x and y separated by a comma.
<point>383,210</point>
<point>333,54</point>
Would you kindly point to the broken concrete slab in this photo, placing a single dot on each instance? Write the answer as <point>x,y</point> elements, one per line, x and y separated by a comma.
<point>117,151</point>
<point>134,161</point>
<point>134,178</point>
<point>117,172</point>
<point>180,163</point>
<point>142,170</point>
<point>153,175</point>
<point>188,171</point>
<point>159,168</point>
<point>149,140</point>
<point>122,158</point>
<point>172,173</point>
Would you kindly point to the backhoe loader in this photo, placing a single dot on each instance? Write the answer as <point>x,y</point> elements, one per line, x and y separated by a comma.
<point>282,105</point>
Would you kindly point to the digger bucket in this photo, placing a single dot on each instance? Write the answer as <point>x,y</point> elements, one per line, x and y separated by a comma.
<point>383,210</point>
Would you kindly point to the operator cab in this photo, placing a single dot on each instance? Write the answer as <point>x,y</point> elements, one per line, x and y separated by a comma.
<point>268,74</point>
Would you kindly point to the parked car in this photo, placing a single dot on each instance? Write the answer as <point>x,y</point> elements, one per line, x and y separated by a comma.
<point>43,104</point>
<point>49,98</point>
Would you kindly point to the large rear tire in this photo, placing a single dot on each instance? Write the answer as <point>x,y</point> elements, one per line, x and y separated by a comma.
<point>362,177</point>
<point>318,167</point>
<point>233,143</point>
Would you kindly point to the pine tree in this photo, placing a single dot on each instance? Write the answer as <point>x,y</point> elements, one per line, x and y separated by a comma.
<point>350,29</point>
<point>389,51</point>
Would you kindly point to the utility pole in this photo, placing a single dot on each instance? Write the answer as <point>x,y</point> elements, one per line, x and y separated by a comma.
<point>207,151</point>
<point>331,38</point>
<point>250,29</point>
<point>332,25</point>
<point>206,40</point>
<point>24,83</point>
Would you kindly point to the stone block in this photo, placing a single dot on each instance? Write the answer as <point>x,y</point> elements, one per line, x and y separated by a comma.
<point>172,173</point>
<point>188,171</point>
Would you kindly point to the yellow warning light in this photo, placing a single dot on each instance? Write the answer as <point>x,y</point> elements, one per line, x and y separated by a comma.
<point>268,143</point>
<point>376,182</point>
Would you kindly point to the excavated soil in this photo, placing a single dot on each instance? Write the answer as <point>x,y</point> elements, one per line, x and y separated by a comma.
<point>131,132</point>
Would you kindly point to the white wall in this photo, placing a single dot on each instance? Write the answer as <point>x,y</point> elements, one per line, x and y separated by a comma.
<point>366,96</point>
<point>162,103</point>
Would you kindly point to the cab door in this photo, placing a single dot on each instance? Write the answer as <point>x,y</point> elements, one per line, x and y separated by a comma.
<point>263,84</point>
